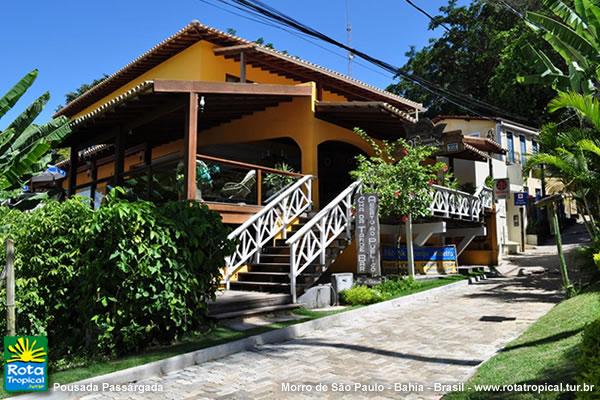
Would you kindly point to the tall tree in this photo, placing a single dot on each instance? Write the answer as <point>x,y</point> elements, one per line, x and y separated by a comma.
<point>479,56</point>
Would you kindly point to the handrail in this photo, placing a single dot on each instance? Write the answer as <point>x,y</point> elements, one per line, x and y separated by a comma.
<point>271,205</point>
<point>247,165</point>
<point>260,172</point>
<point>334,219</point>
<point>321,213</point>
<point>447,189</point>
<point>271,220</point>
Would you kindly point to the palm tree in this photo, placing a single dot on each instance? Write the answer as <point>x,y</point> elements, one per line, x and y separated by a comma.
<point>25,146</point>
<point>569,157</point>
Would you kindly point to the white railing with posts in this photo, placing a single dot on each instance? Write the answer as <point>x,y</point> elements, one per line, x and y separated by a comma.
<point>452,203</point>
<point>486,195</point>
<point>313,239</point>
<point>263,226</point>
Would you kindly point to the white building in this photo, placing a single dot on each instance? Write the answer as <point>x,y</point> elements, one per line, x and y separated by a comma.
<point>518,141</point>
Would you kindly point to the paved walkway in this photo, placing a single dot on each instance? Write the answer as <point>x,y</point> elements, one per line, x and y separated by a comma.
<point>442,341</point>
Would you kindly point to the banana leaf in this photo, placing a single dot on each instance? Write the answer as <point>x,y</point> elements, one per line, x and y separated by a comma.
<point>14,94</point>
<point>558,30</point>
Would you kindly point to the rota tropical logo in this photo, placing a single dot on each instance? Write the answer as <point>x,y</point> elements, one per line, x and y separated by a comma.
<point>26,363</point>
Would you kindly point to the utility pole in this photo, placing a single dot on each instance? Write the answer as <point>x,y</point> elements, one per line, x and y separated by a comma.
<point>550,202</point>
<point>10,288</point>
<point>349,38</point>
<point>410,257</point>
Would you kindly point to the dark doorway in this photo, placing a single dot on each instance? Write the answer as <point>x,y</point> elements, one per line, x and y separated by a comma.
<point>336,160</point>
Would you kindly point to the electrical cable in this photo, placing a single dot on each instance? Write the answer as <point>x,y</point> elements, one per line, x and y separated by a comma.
<point>256,7</point>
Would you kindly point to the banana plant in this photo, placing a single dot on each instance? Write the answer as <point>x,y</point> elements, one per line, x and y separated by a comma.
<point>574,33</point>
<point>25,146</point>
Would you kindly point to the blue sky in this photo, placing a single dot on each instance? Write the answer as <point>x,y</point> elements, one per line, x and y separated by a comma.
<point>72,42</point>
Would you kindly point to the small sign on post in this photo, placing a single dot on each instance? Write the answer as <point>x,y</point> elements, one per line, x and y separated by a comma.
<point>501,188</point>
<point>367,235</point>
<point>521,201</point>
<point>521,198</point>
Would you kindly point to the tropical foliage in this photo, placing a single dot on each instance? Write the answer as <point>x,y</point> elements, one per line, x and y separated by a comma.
<point>572,152</point>
<point>25,146</point>
<point>478,56</point>
<point>400,176</point>
<point>572,158</point>
<point>117,279</point>
<point>574,34</point>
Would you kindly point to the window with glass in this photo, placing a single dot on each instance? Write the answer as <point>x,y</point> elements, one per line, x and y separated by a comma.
<point>523,149</point>
<point>511,147</point>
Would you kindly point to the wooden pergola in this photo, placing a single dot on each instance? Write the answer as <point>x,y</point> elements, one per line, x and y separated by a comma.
<point>146,115</point>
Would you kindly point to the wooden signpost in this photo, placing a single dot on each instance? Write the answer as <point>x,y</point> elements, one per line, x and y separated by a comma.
<point>367,236</point>
<point>9,275</point>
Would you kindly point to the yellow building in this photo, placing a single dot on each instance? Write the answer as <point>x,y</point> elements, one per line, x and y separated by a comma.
<point>207,95</point>
<point>263,138</point>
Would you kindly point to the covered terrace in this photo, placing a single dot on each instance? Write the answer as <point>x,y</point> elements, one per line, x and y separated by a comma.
<point>147,141</point>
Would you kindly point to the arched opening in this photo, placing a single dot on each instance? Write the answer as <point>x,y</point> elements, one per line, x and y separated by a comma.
<point>336,160</point>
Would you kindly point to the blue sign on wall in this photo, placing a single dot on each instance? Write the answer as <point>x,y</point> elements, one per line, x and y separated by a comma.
<point>521,198</point>
<point>442,253</point>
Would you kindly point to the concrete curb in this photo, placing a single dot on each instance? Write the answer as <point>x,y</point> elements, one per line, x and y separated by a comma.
<point>175,363</point>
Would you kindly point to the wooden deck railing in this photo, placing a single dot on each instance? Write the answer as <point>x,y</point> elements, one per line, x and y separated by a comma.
<point>224,180</point>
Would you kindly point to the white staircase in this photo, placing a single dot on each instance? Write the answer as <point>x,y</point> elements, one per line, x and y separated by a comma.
<point>278,264</point>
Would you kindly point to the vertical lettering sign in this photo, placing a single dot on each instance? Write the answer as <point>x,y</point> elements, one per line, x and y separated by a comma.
<point>367,235</point>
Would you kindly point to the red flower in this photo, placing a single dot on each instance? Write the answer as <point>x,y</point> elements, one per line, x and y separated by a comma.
<point>397,193</point>
<point>404,219</point>
<point>432,182</point>
<point>404,152</point>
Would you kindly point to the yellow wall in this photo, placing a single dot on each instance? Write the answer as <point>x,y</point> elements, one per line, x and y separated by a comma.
<point>199,63</point>
<point>293,119</point>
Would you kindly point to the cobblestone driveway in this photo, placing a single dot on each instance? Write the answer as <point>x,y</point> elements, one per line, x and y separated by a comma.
<point>443,341</point>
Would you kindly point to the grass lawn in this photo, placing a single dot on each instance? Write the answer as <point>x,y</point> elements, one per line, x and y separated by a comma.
<point>545,353</point>
<point>217,335</point>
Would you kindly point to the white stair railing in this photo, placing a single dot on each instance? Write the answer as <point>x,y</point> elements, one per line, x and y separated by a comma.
<point>313,239</point>
<point>486,195</point>
<point>273,219</point>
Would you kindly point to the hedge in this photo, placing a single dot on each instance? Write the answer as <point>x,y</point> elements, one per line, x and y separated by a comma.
<point>588,368</point>
<point>116,280</point>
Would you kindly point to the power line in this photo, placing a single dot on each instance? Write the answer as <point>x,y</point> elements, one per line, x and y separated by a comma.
<point>256,7</point>
<point>299,36</point>
<point>431,17</point>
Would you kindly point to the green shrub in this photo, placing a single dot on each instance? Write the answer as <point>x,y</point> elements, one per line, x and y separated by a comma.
<point>358,295</point>
<point>589,362</point>
<point>395,286</point>
<point>47,253</point>
<point>115,280</point>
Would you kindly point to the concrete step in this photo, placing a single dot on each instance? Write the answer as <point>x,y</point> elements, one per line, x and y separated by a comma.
<point>254,311</point>
<point>283,267</point>
<point>276,250</point>
<point>234,300</point>
<point>282,277</point>
<point>268,287</point>
<point>274,258</point>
